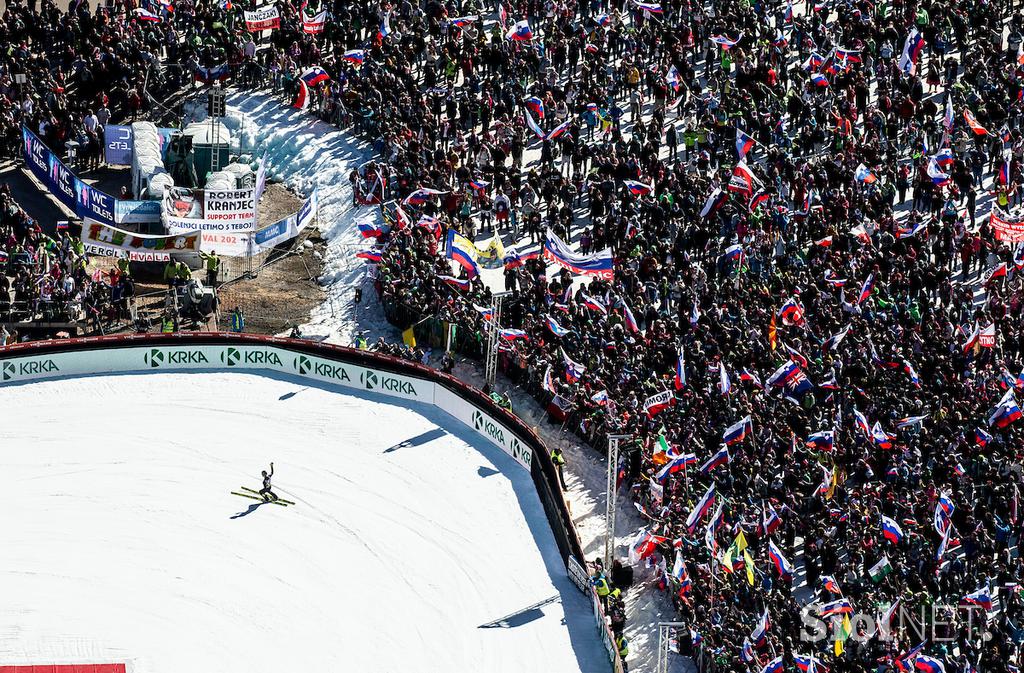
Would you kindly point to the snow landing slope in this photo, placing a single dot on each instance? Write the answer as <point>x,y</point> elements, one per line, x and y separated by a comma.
<point>413,547</point>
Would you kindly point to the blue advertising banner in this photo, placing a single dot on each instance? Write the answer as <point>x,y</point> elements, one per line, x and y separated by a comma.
<point>118,141</point>
<point>135,212</point>
<point>76,195</point>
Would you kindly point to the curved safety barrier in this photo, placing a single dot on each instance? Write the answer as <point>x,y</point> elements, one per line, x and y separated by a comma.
<point>324,363</point>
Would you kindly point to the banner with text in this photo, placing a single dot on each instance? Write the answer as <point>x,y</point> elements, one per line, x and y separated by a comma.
<point>262,18</point>
<point>106,236</point>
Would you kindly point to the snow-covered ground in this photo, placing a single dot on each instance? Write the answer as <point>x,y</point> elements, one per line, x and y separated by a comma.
<point>122,540</point>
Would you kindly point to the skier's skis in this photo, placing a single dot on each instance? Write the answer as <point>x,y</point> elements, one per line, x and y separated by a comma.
<point>287,502</point>
<point>260,498</point>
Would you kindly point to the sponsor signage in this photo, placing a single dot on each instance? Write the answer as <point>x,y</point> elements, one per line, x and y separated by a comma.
<point>28,368</point>
<point>59,180</point>
<point>136,212</point>
<point>495,431</point>
<point>119,144</point>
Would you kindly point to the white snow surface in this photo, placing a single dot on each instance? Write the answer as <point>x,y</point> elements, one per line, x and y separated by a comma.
<point>123,543</point>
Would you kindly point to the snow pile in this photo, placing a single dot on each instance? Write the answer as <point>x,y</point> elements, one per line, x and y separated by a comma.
<point>304,154</point>
<point>413,545</point>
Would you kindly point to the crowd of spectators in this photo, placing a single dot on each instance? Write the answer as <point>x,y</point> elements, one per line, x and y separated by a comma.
<point>867,224</point>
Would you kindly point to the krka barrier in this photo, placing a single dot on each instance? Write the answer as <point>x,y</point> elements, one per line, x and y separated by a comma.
<point>326,363</point>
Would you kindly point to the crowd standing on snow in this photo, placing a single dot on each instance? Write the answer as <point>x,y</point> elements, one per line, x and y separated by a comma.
<point>798,203</point>
<point>803,257</point>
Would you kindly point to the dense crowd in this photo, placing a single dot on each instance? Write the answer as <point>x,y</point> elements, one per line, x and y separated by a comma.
<point>859,257</point>
<point>805,241</point>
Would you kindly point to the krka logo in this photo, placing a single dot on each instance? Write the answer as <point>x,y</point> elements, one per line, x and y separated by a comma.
<point>13,370</point>
<point>373,381</point>
<point>232,356</point>
<point>488,427</point>
<point>303,365</point>
<point>157,357</point>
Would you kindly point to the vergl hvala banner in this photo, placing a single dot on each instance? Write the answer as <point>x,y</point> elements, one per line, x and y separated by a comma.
<point>262,18</point>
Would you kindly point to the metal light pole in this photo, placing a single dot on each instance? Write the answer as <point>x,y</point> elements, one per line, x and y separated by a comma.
<point>663,640</point>
<point>491,361</point>
<point>609,504</point>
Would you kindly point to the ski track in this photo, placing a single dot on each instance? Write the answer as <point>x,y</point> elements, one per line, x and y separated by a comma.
<point>388,562</point>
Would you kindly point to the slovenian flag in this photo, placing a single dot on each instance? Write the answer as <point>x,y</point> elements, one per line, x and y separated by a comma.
<point>143,14</point>
<point>456,282</point>
<point>784,568</point>
<point>981,598</point>
<point>738,431</point>
<point>680,376</point>
<point>838,607</point>
<point>559,130</point>
<point>909,422</point>
<point>818,79</point>
<point>891,530</point>
<point>673,79</point>
<point>703,506</point>
<point>649,7</point>
<point>726,43</point>
<point>354,56</point>
<point>532,125</point>
<point>461,21</point>
<point>759,636</point>
<point>675,464</point>
<point>821,441</point>
<point>792,313</point>
<point>520,32</point>
<point>721,457</point>
<point>829,584</point>
<point>536,106</point>
<point>878,436</point>
<point>716,199</point>
<point>557,329</point>
<point>912,48</point>
<point>724,382</point>
<point>805,663</point>
<point>927,664</point>
<point>630,319</point>
<point>485,312</point>
<point>371,256</point>
<point>770,520</point>
<point>865,290</point>
<point>371,230</point>
<point>679,572</point>
<point>302,98</point>
<point>314,76</point>
<point>773,666</point>
<point>744,143</point>
<point>513,334</point>
<point>1007,411</point>
<point>638,188</point>
<point>385,26</point>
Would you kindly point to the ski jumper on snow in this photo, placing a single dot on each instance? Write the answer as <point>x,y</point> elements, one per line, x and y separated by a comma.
<point>265,491</point>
